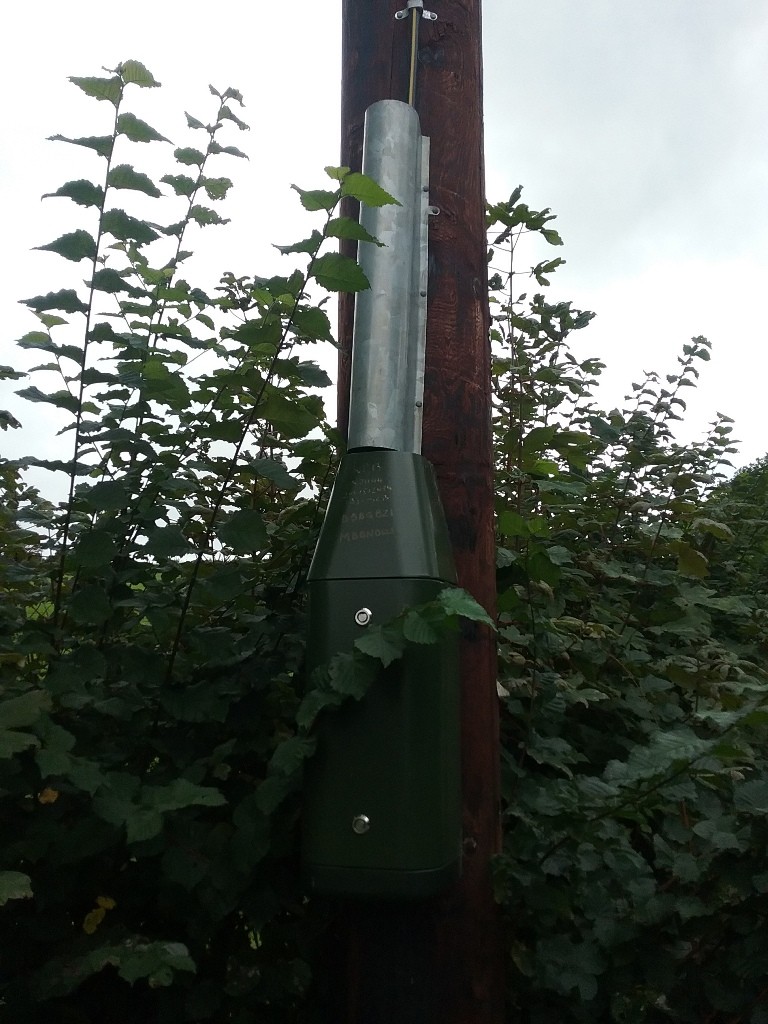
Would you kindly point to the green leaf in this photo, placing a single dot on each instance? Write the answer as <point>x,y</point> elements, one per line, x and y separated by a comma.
<point>215,148</point>
<point>166,542</point>
<point>691,562</point>
<point>105,496</point>
<point>75,246</point>
<point>243,531</point>
<point>182,793</point>
<point>90,605</point>
<point>289,417</point>
<point>339,273</point>
<point>346,227</point>
<point>216,188</point>
<point>318,199</point>
<point>308,245</point>
<point>275,471</point>
<point>361,187</point>
<point>418,630</point>
<point>382,643</point>
<point>455,601</point>
<point>137,130</point>
<point>14,886</point>
<point>313,324</point>
<point>109,89</point>
<point>124,176</point>
<point>127,229</point>
<point>13,743</point>
<point>189,157</point>
<point>337,173</point>
<point>101,144</point>
<point>60,399</point>
<point>134,73</point>
<point>8,373</point>
<point>95,548</point>
<point>82,192</point>
<point>204,215</point>
<point>192,122</point>
<point>181,184</point>
<point>23,711</point>
<point>66,300</point>
<point>227,115</point>
<point>163,385</point>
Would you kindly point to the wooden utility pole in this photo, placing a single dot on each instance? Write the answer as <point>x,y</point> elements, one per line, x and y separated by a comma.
<point>439,962</point>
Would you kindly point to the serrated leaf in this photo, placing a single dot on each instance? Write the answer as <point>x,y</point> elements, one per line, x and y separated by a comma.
<point>381,643</point>
<point>181,184</point>
<point>319,199</point>
<point>163,385</point>
<point>137,130</point>
<point>167,542</point>
<point>182,793</point>
<point>67,301</point>
<point>308,245</point>
<point>126,228</point>
<point>365,190</point>
<point>243,531</point>
<point>134,73</point>
<point>204,215</point>
<point>75,246</point>
<point>8,372</point>
<point>95,548</point>
<point>124,176</point>
<point>214,147</point>
<point>216,188</point>
<point>109,89</point>
<point>90,605</point>
<point>337,173</point>
<point>82,192</point>
<point>339,273</point>
<point>105,496</point>
<point>418,630</point>
<point>192,122</point>
<point>101,144</point>
<point>112,282</point>
<point>189,156</point>
<point>313,324</point>
<point>275,471</point>
<point>691,562</point>
<point>60,399</point>
<point>227,115</point>
<point>346,227</point>
<point>24,710</point>
<point>458,602</point>
<point>14,885</point>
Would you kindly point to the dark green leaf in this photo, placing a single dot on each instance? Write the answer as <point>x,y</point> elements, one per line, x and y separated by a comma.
<point>137,130</point>
<point>127,229</point>
<point>309,245</point>
<point>90,605</point>
<point>243,531</point>
<point>101,144</point>
<point>166,542</point>
<point>14,885</point>
<point>204,215</point>
<point>66,300</point>
<point>124,176</point>
<point>94,549</point>
<point>458,602</point>
<point>313,324</point>
<point>75,246</point>
<point>346,227</point>
<point>189,157</point>
<point>82,192</point>
<point>339,273</point>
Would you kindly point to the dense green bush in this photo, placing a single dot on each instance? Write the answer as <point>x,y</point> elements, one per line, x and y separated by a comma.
<point>633,631</point>
<point>153,721</point>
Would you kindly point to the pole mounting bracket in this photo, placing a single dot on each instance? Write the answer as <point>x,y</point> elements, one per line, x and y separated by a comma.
<point>413,5</point>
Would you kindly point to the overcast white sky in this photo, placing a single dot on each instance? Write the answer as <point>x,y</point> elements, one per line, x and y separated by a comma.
<point>643,125</point>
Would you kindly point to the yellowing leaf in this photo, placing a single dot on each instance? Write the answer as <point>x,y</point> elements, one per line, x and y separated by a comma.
<point>93,919</point>
<point>48,796</point>
<point>106,902</point>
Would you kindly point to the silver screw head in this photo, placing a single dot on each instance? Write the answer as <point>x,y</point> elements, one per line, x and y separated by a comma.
<point>363,616</point>
<point>361,823</point>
